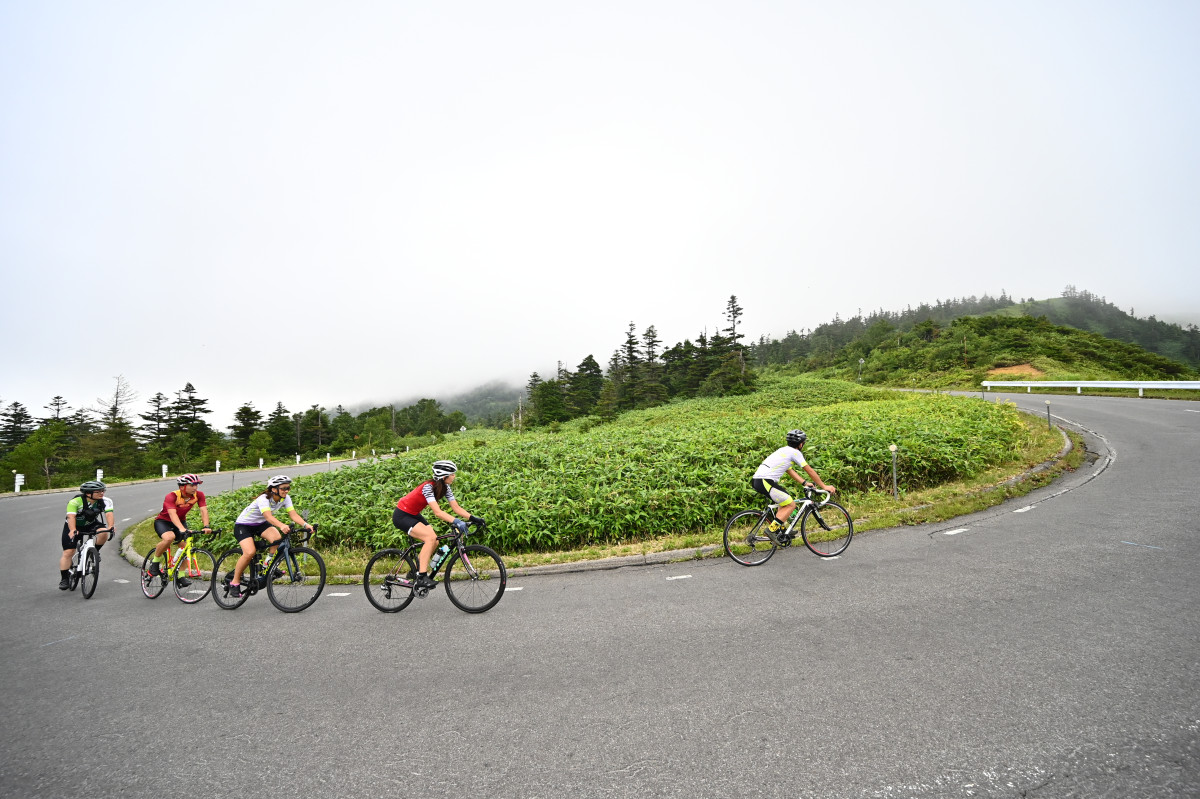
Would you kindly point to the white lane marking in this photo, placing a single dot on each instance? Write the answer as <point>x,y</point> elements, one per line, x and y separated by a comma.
<point>1022,510</point>
<point>1189,410</point>
<point>120,581</point>
<point>955,532</point>
<point>1147,546</point>
<point>60,640</point>
<point>515,588</point>
<point>339,594</point>
<point>835,557</point>
<point>680,577</point>
<point>127,518</point>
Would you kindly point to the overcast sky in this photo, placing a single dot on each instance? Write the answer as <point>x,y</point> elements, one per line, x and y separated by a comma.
<point>345,202</point>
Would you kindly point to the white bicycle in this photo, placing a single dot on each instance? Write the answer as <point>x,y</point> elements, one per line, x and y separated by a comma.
<point>85,563</point>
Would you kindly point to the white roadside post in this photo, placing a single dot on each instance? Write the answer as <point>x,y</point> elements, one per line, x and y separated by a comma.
<point>164,470</point>
<point>18,481</point>
<point>895,487</point>
<point>218,467</point>
<point>99,475</point>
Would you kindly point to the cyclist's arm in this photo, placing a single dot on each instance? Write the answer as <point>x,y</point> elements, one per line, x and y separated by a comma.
<point>454,506</point>
<point>817,479</point>
<point>271,520</point>
<point>298,519</point>
<point>204,517</point>
<point>180,526</point>
<point>441,514</point>
<point>71,523</point>
<point>112,520</point>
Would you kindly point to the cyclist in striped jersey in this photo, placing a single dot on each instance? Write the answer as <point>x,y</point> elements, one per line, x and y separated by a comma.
<point>428,494</point>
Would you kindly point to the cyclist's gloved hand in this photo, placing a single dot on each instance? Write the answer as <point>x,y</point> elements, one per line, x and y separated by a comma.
<point>475,520</point>
<point>461,526</point>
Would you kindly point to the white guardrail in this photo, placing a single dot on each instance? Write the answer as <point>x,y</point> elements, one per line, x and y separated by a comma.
<point>1080,385</point>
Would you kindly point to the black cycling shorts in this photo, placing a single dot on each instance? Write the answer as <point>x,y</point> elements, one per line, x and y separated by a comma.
<point>771,490</point>
<point>243,531</point>
<point>73,543</point>
<point>163,526</point>
<point>406,521</point>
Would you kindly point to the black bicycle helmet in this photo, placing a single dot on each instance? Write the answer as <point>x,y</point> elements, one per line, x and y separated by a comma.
<point>796,438</point>
<point>92,485</point>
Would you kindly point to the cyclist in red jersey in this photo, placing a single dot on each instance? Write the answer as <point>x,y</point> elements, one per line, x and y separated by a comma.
<point>408,518</point>
<point>173,517</point>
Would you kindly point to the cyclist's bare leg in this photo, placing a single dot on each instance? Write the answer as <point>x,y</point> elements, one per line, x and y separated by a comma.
<point>248,550</point>
<point>164,542</point>
<point>64,562</point>
<point>428,538</point>
<point>101,538</point>
<point>784,512</point>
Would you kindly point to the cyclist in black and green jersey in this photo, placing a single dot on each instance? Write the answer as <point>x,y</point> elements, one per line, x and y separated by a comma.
<point>89,512</point>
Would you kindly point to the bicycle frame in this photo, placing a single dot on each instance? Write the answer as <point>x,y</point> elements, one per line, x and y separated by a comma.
<point>87,541</point>
<point>264,559</point>
<point>182,556</point>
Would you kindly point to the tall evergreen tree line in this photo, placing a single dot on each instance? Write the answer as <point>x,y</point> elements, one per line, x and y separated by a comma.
<point>69,444</point>
<point>641,373</point>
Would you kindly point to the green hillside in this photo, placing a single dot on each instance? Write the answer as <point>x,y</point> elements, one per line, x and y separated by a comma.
<point>679,467</point>
<point>963,353</point>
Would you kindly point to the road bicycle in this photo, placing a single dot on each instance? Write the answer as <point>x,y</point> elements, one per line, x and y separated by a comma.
<point>293,576</point>
<point>188,568</point>
<point>475,575</point>
<point>825,526</point>
<point>85,563</point>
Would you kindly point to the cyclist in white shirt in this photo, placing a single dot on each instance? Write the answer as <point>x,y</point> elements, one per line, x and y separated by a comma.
<point>259,518</point>
<point>766,478</point>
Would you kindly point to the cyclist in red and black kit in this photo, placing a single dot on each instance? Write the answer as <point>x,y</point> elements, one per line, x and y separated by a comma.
<point>407,515</point>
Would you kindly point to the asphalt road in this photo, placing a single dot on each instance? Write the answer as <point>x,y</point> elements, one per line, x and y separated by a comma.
<point>1045,648</point>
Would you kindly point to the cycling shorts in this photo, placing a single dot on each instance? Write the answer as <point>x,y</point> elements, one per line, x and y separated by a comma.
<point>772,490</point>
<point>162,526</point>
<point>243,531</point>
<point>406,521</point>
<point>72,543</point>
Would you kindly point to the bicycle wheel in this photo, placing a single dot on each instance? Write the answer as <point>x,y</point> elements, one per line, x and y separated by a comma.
<point>479,581</point>
<point>827,530</point>
<point>197,571</point>
<point>295,584</point>
<point>222,575</point>
<point>152,584</point>
<point>91,574</point>
<point>746,538</point>
<point>386,580</point>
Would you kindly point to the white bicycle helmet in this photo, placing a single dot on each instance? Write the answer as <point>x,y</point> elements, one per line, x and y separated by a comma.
<point>188,480</point>
<point>279,480</point>
<point>443,469</point>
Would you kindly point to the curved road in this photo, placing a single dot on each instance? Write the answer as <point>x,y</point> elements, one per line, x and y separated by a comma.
<point>1049,647</point>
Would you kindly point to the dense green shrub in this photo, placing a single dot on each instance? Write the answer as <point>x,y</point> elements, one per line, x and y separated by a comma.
<point>673,468</point>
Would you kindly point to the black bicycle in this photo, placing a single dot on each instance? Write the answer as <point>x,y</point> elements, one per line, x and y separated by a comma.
<point>825,526</point>
<point>293,576</point>
<point>475,576</point>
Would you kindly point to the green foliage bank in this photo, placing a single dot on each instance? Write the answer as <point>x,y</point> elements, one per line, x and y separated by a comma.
<point>680,467</point>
